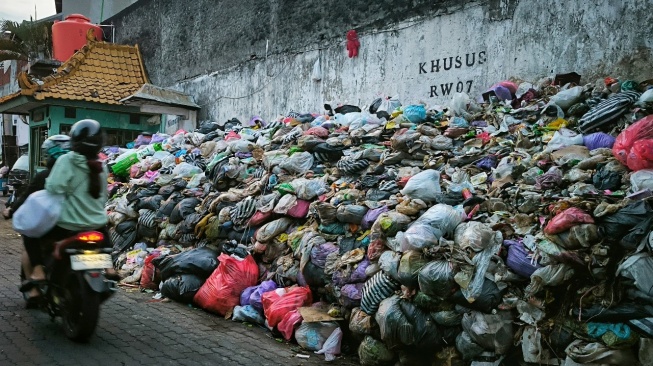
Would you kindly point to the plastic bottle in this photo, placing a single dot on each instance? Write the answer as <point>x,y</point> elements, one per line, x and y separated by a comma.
<point>149,150</point>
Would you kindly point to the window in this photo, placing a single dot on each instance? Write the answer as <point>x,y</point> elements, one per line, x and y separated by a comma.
<point>134,119</point>
<point>39,135</point>
<point>38,115</point>
<point>70,112</point>
<point>114,137</point>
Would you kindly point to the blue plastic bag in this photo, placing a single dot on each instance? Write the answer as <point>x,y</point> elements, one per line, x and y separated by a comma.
<point>415,113</point>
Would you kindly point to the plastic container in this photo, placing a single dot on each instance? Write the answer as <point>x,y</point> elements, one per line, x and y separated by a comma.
<point>121,167</point>
<point>69,35</point>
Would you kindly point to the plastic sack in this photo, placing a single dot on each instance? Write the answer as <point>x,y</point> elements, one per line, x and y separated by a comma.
<point>298,163</point>
<point>415,113</point>
<point>271,230</point>
<point>634,145</point>
<point>186,170</point>
<point>436,279</point>
<point>420,236</point>
<point>598,140</point>
<point>316,74</point>
<point>352,214</point>
<point>371,216</point>
<point>247,314</point>
<point>289,324</point>
<point>642,179</point>
<point>566,219</point>
<point>563,138</point>
<point>376,289</point>
<point>221,291</point>
<point>312,336</point>
<point>38,214</point>
<point>182,287</point>
<point>567,98</point>
<point>443,217</point>
<point>278,303</point>
<point>151,276</point>
<point>493,332</point>
<point>372,352</point>
<point>308,189</point>
<point>580,353</point>
<point>410,265</point>
<point>319,253</point>
<point>424,186</point>
<point>474,235</point>
<point>519,260</point>
<point>331,347</point>
<point>351,295</point>
<point>255,297</point>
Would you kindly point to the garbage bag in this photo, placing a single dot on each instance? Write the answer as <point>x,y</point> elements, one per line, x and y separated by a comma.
<point>443,217</point>
<point>629,225</point>
<point>376,289</point>
<point>181,287</point>
<point>200,262</point>
<point>372,352</point>
<point>150,276</point>
<point>289,324</point>
<point>402,323</point>
<point>598,140</point>
<point>371,216</point>
<point>566,98</point>
<point>351,295</point>
<point>352,214</point>
<point>278,303</point>
<point>313,275</point>
<point>551,275</point>
<point>639,268</point>
<point>473,235</point>
<point>566,219</point>
<point>326,212</point>
<point>563,138</point>
<point>298,163</point>
<point>38,214</point>
<point>607,110</point>
<point>331,347</point>
<point>622,312</point>
<point>361,323</point>
<point>436,279</point>
<point>467,347</point>
<point>390,223</point>
<point>641,180</point>
<point>123,235</point>
<point>519,260</point>
<point>634,145</point>
<point>247,314</point>
<point>493,332</point>
<point>320,253</point>
<point>389,263</point>
<point>424,186</point>
<point>312,336</point>
<point>579,236</point>
<point>410,265</point>
<point>244,297</point>
<point>606,178</point>
<point>584,353</point>
<point>420,236</point>
<point>257,294</point>
<point>221,291</point>
<point>150,203</point>
<point>271,230</point>
<point>184,208</point>
<point>415,113</point>
<point>488,299</point>
<point>308,189</point>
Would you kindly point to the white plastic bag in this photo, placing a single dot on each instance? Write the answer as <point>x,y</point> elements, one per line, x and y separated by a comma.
<point>316,75</point>
<point>563,138</point>
<point>298,163</point>
<point>642,179</point>
<point>39,214</point>
<point>424,186</point>
<point>331,347</point>
<point>186,170</point>
<point>567,98</point>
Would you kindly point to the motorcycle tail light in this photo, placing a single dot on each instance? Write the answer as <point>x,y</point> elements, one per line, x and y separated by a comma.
<point>90,237</point>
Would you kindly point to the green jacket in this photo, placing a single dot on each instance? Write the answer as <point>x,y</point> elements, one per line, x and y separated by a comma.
<point>80,211</point>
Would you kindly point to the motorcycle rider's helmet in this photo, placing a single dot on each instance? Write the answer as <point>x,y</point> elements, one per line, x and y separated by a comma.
<point>87,137</point>
<point>55,146</point>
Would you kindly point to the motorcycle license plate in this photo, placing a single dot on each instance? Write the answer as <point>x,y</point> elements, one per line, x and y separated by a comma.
<point>90,261</point>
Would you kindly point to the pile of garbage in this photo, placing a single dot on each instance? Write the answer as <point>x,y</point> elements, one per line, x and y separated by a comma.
<point>509,229</point>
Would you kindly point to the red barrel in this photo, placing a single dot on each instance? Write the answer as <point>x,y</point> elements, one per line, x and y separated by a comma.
<point>69,35</point>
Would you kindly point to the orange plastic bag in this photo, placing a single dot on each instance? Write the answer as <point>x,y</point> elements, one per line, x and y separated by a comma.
<point>221,291</point>
<point>278,303</point>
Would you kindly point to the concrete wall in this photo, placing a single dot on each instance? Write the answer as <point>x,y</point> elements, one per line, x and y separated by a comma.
<point>94,9</point>
<point>422,51</point>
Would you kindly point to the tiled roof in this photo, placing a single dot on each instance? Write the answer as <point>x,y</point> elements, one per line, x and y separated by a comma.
<point>99,72</point>
<point>9,97</point>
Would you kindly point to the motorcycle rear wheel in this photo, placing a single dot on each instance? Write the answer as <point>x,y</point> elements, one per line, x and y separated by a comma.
<point>81,309</point>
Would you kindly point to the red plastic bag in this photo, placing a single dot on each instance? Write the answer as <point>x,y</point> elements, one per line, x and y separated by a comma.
<point>299,210</point>
<point>634,145</point>
<point>151,276</point>
<point>260,218</point>
<point>289,323</point>
<point>278,303</point>
<point>566,219</point>
<point>221,291</point>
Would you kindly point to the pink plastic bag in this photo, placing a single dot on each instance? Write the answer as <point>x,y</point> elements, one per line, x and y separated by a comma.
<point>634,145</point>
<point>566,219</point>
<point>299,210</point>
<point>277,303</point>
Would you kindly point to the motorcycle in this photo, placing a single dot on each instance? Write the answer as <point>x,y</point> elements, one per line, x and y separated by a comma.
<point>76,284</point>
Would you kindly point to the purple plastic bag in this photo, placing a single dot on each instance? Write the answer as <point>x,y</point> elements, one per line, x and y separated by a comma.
<point>320,253</point>
<point>488,162</point>
<point>255,298</point>
<point>350,295</point>
<point>343,276</point>
<point>478,124</point>
<point>552,178</point>
<point>142,140</point>
<point>244,297</point>
<point>157,137</point>
<point>518,259</point>
<point>359,273</point>
<point>371,216</point>
<point>243,155</point>
<point>598,140</point>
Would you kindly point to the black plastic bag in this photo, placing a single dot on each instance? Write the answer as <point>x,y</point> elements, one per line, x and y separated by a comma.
<point>607,179</point>
<point>436,279</point>
<point>184,208</point>
<point>182,287</point>
<point>150,203</point>
<point>188,225</point>
<point>487,301</point>
<point>314,275</point>
<point>200,262</point>
<point>620,313</point>
<point>123,235</point>
<point>629,224</point>
<point>168,205</point>
<point>207,127</point>
<point>375,105</point>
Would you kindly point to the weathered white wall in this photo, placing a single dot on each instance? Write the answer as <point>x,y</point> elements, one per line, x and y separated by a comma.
<point>419,61</point>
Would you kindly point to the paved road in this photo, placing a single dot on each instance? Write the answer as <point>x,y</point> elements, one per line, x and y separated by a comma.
<point>133,330</point>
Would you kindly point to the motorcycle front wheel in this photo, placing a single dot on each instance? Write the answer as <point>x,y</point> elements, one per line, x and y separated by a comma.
<point>81,309</point>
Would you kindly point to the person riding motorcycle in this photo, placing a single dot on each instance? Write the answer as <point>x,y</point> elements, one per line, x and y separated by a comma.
<point>81,177</point>
<point>54,147</point>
